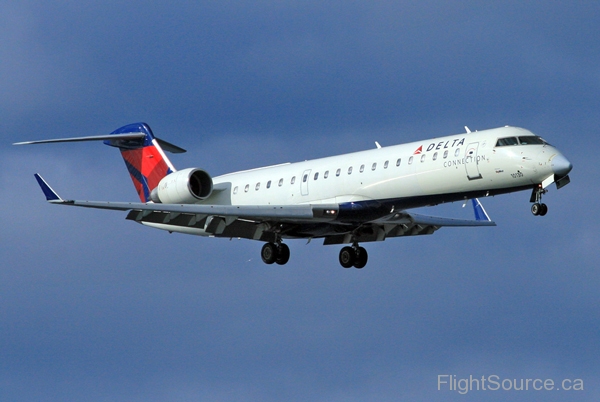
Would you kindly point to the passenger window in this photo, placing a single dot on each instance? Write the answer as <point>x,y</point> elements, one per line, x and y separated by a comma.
<point>246,188</point>
<point>304,178</point>
<point>423,158</point>
<point>362,168</point>
<point>435,156</point>
<point>269,184</point>
<point>337,172</point>
<point>326,174</point>
<point>235,190</point>
<point>280,182</point>
<point>398,162</point>
<point>257,186</point>
<point>374,166</point>
<point>293,180</point>
<point>410,160</point>
<point>316,176</point>
<point>457,152</point>
<point>350,170</point>
<point>445,154</point>
<point>385,165</point>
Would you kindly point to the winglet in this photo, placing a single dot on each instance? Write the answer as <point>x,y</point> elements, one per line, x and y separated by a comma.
<point>50,194</point>
<point>480,214</point>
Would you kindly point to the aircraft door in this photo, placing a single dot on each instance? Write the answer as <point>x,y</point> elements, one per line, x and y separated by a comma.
<point>471,162</point>
<point>304,182</point>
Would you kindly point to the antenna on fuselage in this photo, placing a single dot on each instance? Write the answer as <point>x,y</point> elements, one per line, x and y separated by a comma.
<point>467,128</point>
<point>377,145</point>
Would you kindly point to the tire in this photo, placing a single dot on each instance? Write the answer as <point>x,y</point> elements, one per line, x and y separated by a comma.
<point>269,253</point>
<point>347,257</point>
<point>283,254</point>
<point>543,209</point>
<point>361,258</point>
<point>536,209</point>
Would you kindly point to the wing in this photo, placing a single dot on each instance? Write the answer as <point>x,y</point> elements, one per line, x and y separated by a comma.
<point>265,222</point>
<point>405,223</point>
<point>285,213</point>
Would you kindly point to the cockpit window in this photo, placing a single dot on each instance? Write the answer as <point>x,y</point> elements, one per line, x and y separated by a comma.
<point>502,142</point>
<point>531,140</point>
<point>523,140</point>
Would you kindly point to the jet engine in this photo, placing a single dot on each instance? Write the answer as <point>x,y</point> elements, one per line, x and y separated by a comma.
<point>183,187</point>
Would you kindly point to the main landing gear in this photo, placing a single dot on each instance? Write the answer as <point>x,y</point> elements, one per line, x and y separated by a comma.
<point>354,256</point>
<point>538,208</point>
<point>279,253</point>
<point>275,252</point>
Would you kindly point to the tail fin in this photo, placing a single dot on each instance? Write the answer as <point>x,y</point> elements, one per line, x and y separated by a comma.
<point>143,154</point>
<point>144,157</point>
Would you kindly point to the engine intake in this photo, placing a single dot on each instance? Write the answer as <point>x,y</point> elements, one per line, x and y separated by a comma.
<point>183,187</point>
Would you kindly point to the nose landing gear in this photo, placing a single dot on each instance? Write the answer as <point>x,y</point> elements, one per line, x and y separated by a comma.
<point>538,208</point>
<point>354,256</point>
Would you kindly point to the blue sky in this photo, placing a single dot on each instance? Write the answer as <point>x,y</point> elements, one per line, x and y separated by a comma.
<point>98,308</point>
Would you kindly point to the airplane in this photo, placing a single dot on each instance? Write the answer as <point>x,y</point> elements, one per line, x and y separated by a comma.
<point>345,200</point>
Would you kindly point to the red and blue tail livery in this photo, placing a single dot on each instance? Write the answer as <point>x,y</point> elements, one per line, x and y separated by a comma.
<point>145,160</point>
<point>143,154</point>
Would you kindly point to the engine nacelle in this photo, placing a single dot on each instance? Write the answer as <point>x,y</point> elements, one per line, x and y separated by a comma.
<point>183,187</point>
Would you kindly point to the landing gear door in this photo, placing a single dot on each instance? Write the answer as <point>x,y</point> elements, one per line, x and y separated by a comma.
<point>471,161</point>
<point>304,182</point>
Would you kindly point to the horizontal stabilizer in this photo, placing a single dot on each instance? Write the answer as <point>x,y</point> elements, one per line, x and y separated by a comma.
<point>128,136</point>
<point>167,146</point>
<point>113,138</point>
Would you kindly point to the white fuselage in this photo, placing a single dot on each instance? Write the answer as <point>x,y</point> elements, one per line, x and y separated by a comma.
<point>446,165</point>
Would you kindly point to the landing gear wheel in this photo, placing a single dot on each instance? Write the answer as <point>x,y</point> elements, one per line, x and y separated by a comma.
<point>361,258</point>
<point>283,254</point>
<point>538,208</point>
<point>347,257</point>
<point>269,253</point>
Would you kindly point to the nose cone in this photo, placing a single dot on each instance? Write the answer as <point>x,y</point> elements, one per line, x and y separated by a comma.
<point>561,165</point>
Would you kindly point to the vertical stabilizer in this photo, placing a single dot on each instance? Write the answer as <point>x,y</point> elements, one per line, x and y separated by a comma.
<point>145,159</point>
